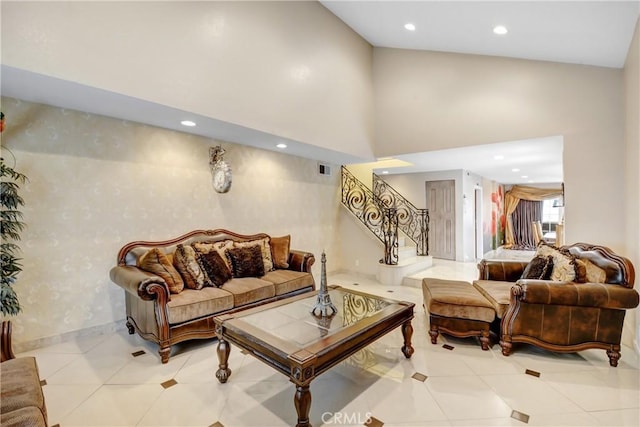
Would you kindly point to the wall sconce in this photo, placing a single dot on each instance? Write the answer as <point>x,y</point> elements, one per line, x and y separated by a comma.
<point>220,170</point>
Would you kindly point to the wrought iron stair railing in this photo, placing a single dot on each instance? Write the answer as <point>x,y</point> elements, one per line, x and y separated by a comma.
<point>381,221</point>
<point>412,221</point>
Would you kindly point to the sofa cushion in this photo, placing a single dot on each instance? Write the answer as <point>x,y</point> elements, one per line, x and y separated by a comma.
<point>265,249</point>
<point>192,304</point>
<point>246,261</point>
<point>280,248</point>
<point>156,262</point>
<point>455,299</point>
<point>20,386</point>
<point>29,416</point>
<point>214,268</point>
<point>286,281</point>
<point>538,268</point>
<point>185,260</point>
<point>498,294</point>
<point>249,289</point>
<point>564,269</point>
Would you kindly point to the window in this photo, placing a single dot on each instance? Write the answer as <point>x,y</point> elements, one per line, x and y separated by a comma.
<point>551,214</point>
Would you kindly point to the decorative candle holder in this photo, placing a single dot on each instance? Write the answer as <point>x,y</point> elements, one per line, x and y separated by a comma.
<point>323,304</point>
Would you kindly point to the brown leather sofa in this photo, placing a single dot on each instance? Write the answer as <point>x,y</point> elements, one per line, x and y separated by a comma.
<point>167,318</point>
<point>562,316</point>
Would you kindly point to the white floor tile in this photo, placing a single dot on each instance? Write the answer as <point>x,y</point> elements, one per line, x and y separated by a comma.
<point>187,405</point>
<point>466,397</point>
<point>61,400</point>
<point>114,405</point>
<point>406,401</point>
<point>592,392</point>
<point>621,417</point>
<point>530,395</point>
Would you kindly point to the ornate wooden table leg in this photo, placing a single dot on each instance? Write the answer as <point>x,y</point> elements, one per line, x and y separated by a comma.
<point>407,333</point>
<point>302,401</point>
<point>223,372</point>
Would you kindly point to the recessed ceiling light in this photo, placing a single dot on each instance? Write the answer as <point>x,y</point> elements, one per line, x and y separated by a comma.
<point>524,176</point>
<point>281,145</point>
<point>409,26</point>
<point>188,123</point>
<point>385,172</point>
<point>499,157</point>
<point>500,30</point>
<point>530,181</point>
<point>515,170</point>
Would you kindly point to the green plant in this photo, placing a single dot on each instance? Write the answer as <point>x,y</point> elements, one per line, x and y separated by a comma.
<point>12,225</point>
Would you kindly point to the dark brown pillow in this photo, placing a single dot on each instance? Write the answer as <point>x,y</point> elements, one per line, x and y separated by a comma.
<point>214,268</point>
<point>539,268</point>
<point>280,251</point>
<point>246,262</point>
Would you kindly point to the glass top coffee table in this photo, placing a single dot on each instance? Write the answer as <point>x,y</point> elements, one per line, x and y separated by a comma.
<point>288,337</point>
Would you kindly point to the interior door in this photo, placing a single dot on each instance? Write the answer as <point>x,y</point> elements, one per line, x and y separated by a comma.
<point>442,218</point>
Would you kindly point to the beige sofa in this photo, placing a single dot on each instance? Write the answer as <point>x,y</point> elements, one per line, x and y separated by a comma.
<point>162,310</point>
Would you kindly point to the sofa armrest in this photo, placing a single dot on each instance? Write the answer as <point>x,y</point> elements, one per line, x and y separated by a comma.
<point>600,295</point>
<point>138,282</point>
<point>301,261</point>
<point>504,271</point>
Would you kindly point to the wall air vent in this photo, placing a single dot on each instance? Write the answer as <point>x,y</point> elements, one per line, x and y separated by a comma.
<point>324,169</point>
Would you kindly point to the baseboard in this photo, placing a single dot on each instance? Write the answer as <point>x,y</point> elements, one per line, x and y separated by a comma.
<point>94,331</point>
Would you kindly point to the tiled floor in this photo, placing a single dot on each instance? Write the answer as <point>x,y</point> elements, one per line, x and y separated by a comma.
<point>98,382</point>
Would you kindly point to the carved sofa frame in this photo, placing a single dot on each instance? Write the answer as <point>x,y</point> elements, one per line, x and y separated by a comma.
<point>147,296</point>
<point>562,316</point>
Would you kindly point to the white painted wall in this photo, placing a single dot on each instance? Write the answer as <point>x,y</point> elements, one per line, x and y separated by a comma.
<point>431,100</point>
<point>632,172</point>
<point>290,69</point>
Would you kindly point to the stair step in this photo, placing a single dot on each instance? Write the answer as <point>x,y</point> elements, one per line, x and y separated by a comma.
<point>393,275</point>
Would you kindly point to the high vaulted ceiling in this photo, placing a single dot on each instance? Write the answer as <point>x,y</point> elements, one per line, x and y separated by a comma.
<point>594,33</point>
<point>577,32</point>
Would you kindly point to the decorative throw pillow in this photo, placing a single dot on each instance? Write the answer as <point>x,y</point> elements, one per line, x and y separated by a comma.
<point>215,268</point>
<point>156,262</point>
<point>246,262</point>
<point>280,251</point>
<point>581,270</point>
<point>563,262</point>
<point>594,274</point>
<point>185,260</point>
<point>220,247</point>
<point>265,249</point>
<point>539,268</point>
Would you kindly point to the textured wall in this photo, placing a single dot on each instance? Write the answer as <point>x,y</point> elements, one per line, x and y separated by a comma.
<point>96,183</point>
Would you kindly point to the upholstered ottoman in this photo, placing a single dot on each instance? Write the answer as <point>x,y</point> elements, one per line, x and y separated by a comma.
<point>457,308</point>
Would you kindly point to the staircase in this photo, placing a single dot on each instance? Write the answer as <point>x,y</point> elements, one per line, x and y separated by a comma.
<point>384,212</point>
<point>409,263</point>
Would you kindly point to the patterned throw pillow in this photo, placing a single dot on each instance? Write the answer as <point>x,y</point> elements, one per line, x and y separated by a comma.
<point>215,268</point>
<point>539,268</point>
<point>563,262</point>
<point>265,249</point>
<point>220,247</point>
<point>246,262</point>
<point>185,260</point>
<point>280,251</point>
<point>594,274</point>
<point>156,262</point>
